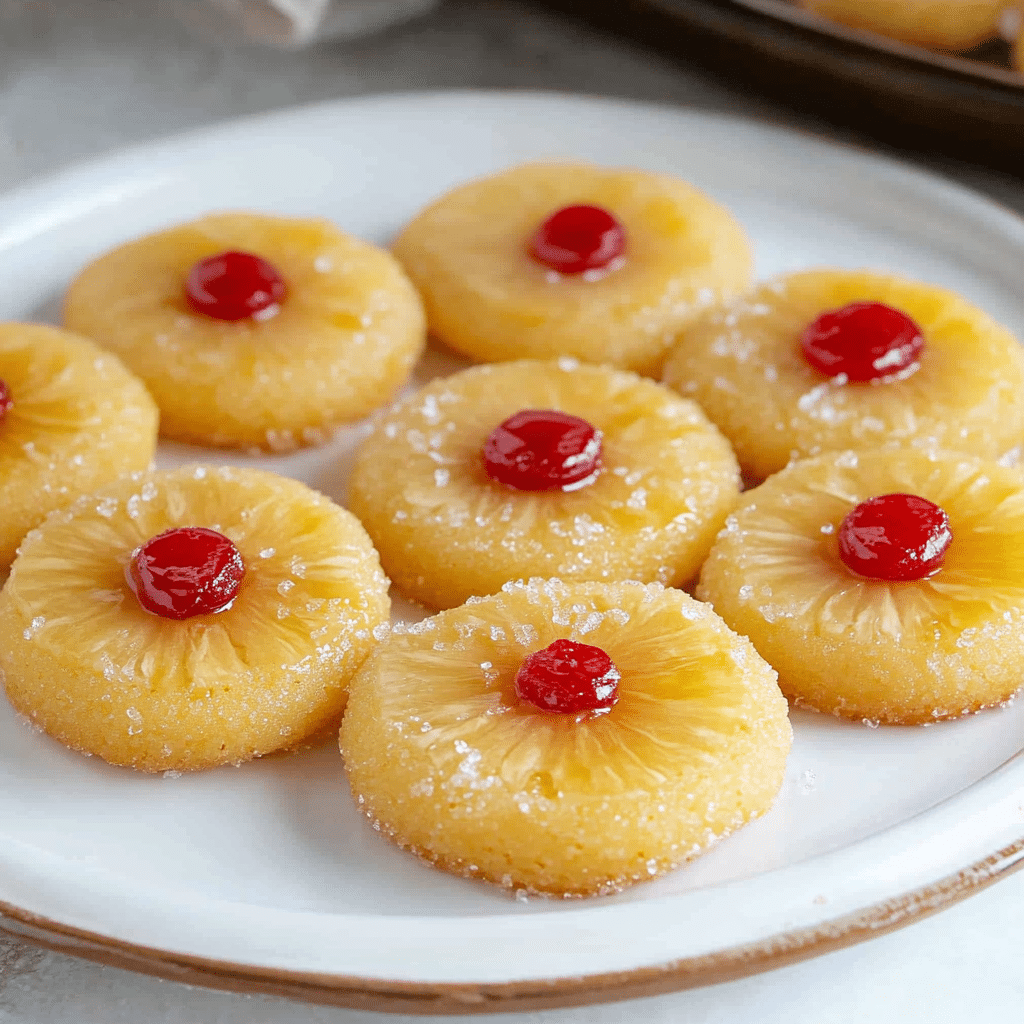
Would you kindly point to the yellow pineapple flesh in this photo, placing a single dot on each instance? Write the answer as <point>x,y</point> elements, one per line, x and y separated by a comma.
<point>745,366</point>
<point>901,652</point>
<point>448,762</point>
<point>88,664</point>
<point>343,339</point>
<point>78,420</point>
<point>446,531</point>
<point>488,298</point>
<point>938,24</point>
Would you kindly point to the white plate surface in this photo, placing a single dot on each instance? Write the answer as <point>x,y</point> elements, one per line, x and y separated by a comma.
<point>269,866</point>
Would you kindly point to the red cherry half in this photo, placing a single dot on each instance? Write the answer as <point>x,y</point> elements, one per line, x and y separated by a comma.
<point>543,450</point>
<point>578,238</point>
<point>864,340</point>
<point>233,286</point>
<point>6,401</point>
<point>895,537</point>
<point>185,572</point>
<point>569,677</point>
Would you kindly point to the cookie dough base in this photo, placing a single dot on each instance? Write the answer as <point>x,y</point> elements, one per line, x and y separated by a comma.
<point>446,762</point>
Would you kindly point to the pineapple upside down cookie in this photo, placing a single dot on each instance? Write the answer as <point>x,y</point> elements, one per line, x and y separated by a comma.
<point>937,24</point>
<point>190,618</point>
<point>824,360</point>
<point>544,260</point>
<point>72,419</point>
<point>254,331</point>
<point>885,585</point>
<point>565,738</point>
<point>511,470</point>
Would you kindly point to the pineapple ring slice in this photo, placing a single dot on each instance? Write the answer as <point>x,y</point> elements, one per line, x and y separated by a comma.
<point>79,421</point>
<point>445,760</point>
<point>85,662</point>
<point>343,340</point>
<point>489,299</point>
<point>744,365</point>
<point>868,649</point>
<point>938,24</point>
<point>446,531</point>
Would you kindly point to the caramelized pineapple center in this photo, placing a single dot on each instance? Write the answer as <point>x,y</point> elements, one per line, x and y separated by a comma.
<point>186,571</point>
<point>864,341</point>
<point>895,537</point>
<point>543,450</point>
<point>568,677</point>
<point>234,286</point>
<point>577,239</point>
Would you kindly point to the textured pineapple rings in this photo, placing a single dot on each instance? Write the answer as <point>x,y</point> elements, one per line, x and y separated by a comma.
<point>345,337</point>
<point>84,661</point>
<point>745,366</point>
<point>446,761</point>
<point>486,297</point>
<point>446,531</point>
<point>894,652</point>
<point>78,420</point>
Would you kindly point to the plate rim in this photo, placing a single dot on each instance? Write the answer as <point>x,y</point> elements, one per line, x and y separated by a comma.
<point>778,949</point>
<point>443,998</point>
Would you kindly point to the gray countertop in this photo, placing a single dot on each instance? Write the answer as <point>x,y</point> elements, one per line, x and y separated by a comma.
<point>83,77</point>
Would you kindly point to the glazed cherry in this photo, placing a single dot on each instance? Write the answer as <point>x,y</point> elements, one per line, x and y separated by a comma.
<point>6,401</point>
<point>569,678</point>
<point>185,572</point>
<point>895,537</point>
<point>578,238</point>
<point>543,450</point>
<point>233,286</point>
<point>864,341</point>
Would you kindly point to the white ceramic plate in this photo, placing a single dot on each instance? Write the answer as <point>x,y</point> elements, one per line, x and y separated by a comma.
<point>265,876</point>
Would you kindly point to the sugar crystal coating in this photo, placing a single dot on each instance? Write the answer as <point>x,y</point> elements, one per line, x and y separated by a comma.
<point>79,421</point>
<point>103,675</point>
<point>894,652</point>
<point>346,337</point>
<point>667,481</point>
<point>743,363</point>
<point>488,297</point>
<point>448,762</point>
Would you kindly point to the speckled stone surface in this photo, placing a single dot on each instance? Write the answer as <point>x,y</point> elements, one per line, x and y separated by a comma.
<point>83,77</point>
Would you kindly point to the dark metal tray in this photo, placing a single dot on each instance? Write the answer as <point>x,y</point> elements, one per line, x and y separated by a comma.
<point>967,106</point>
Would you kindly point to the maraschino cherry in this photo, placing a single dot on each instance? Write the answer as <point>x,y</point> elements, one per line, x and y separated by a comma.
<point>895,537</point>
<point>543,450</point>
<point>6,401</point>
<point>185,572</point>
<point>864,341</point>
<point>569,678</point>
<point>578,238</point>
<point>234,286</point>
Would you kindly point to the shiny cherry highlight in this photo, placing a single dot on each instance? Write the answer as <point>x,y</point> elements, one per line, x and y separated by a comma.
<point>569,678</point>
<point>233,286</point>
<point>543,450</point>
<point>185,572</point>
<point>578,238</point>
<point>6,401</point>
<point>864,341</point>
<point>895,537</point>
